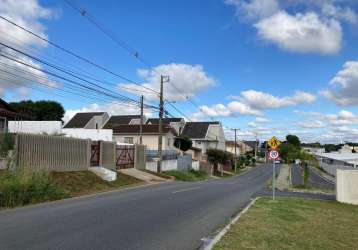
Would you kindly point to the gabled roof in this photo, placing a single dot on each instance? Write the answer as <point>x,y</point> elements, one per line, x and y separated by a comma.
<point>197,130</point>
<point>116,120</point>
<point>81,119</point>
<point>251,144</point>
<point>166,121</point>
<point>146,129</point>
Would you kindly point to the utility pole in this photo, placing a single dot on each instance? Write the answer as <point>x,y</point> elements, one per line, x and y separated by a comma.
<point>141,121</point>
<point>255,146</point>
<point>235,129</point>
<point>161,112</point>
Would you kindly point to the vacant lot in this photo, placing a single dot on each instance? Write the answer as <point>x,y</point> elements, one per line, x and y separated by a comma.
<point>289,223</point>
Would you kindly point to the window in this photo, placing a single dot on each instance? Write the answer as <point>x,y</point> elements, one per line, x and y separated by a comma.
<point>96,125</point>
<point>128,140</point>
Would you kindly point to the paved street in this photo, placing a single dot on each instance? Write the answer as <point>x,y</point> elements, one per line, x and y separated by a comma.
<point>315,180</point>
<point>166,216</point>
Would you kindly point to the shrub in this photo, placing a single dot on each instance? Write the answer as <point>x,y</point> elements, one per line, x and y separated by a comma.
<point>7,142</point>
<point>22,188</point>
<point>183,143</point>
<point>219,156</point>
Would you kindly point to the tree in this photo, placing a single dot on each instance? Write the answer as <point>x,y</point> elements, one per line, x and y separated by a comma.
<point>40,110</point>
<point>183,143</point>
<point>293,140</point>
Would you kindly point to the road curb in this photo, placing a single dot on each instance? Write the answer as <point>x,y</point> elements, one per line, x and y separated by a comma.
<point>210,243</point>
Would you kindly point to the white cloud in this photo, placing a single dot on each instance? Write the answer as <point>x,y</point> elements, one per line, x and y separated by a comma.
<point>312,124</point>
<point>27,14</point>
<point>345,83</point>
<point>261,100</point>
<point>112,108</point>
<point>256,8</point>
<point>302,33</point>
<point>189,79</point>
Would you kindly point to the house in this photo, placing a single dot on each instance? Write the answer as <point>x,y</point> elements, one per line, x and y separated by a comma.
<point>230,147</point>
<point>130,134</point>
<point>8,114</point>
<point>249,146</point>
<point>176,123</point>
<point>205,135</point>
<point>89,120</point>
<point>116,120</point>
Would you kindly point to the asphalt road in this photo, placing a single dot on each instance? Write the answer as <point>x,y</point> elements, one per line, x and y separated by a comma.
<point>167,216</point>
<point>314,180</point>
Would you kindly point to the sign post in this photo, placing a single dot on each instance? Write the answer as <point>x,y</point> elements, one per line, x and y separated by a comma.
<point>273,155</point>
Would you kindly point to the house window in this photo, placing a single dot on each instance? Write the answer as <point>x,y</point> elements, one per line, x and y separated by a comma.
<point>128,140</point>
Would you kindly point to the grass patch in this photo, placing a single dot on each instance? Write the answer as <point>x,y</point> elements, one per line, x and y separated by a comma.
<point>22,188</point>
<point>289,223</point>
<point>162,175</point>
<point>85,182</point>
<point>191,175</point>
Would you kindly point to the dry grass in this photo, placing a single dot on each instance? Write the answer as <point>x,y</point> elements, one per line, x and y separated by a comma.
<point>289,223</point>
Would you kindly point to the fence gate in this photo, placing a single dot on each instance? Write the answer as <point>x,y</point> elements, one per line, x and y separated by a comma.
<point>125,156</point>
<point>95,153</point>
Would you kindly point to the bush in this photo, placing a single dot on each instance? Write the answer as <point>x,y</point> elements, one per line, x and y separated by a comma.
<point>7,142</point>
<point>22,188</point>
<point>219,156</point>
<point>191,175</point>
<point>183,143</point>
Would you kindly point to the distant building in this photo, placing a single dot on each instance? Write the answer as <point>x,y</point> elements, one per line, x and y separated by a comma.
<point>8,114</point>
<point>176,123</point>
<point>116,120</point>
<point>130,134</point>
<point>205,135</point>
<point>88,120</point>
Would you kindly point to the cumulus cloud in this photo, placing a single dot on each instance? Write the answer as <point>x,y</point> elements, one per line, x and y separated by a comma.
<point>260,100</point>
<point>301,32</point>
<point>301,26</point>
<point>345,85</point>
<point>27,14</point>
<point>189,79</point>
<point>252,102</point>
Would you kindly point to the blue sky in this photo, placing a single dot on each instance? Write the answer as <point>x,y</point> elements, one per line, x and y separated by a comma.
<point>268,67</point>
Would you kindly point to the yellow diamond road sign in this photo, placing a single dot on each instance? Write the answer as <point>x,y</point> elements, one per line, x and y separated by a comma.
<point>274,142</point>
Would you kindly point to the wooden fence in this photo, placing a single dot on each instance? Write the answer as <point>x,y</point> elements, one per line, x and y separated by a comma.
<point>52,153</point>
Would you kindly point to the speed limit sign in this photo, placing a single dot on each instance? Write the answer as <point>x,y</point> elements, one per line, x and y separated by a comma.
<point>273,155</point>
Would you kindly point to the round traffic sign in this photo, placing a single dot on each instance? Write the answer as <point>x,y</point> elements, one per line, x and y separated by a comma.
<point>273,155</point>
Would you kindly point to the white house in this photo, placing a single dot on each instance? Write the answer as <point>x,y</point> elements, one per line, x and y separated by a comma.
<point>205,135</point>
<point>130,134</point>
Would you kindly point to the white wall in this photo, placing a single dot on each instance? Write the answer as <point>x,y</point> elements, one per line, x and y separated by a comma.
<point>166,165</point>
<point>347,186</point>
<point>93,134</point>
<point>35,127</point>
<point>150,141</point>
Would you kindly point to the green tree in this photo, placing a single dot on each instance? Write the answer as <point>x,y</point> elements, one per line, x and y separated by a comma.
<point>40,110</point>
<point>183,143</point>
<point>293,140</point>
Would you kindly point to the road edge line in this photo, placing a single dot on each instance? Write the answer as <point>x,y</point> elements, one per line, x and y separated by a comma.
<point>220,235</point>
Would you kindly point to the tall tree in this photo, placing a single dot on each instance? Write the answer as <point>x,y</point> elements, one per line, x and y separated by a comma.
<point>293,140</point>
<point>40,110</point>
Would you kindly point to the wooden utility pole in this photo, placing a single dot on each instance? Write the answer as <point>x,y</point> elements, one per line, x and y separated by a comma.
<point>141,121</point>
<point>235,129</point>
<point>161,113</point>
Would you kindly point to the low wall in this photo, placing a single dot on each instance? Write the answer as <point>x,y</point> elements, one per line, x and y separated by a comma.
<point>35,127</point>
<point>331,169</point>
<point>92,134</point>
<point>166,165</point>
<point>184,162</point>
<point>347,186</point>
<point>195,165</point>
<point>107,155</point>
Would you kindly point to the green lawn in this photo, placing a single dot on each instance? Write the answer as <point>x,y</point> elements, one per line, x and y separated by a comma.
<point>289,223</point>
<point>188,175</point>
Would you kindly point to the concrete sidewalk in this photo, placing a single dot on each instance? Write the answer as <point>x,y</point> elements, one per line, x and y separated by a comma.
<point>141,175</point>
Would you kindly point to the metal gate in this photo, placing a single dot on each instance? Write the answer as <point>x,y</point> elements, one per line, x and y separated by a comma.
<point>95,153</point>
<point>125,156</point>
